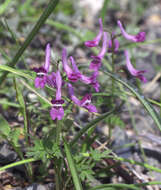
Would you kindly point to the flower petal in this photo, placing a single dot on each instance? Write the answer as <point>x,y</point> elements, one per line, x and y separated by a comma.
<point>51,80</point>
<point>47,57</point>
<point>57,113</point>
<point>104,46</point>
<point>115,46</point>
<point>140,37</point>
<point>96,40</point>
<point>72,96</point>
<point>58,85</point>
<point>132,70</point>
<point>66,67</point>
<point>40,82</point>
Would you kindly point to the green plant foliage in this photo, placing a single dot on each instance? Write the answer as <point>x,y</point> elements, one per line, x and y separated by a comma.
<point>115,120</point>
<point>4,127</point>
<point>98,155</point>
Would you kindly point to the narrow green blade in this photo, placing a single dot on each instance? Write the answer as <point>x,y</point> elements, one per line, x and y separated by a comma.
<point>141,98</point>
<point>76,180</point>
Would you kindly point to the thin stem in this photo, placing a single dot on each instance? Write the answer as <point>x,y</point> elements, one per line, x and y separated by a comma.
<point>113,87</point>
<point>113,69</point>
<point>57,168</point>
<point>18,163</point>
<point>58,132</point>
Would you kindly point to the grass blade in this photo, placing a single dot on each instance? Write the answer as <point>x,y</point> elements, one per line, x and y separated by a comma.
<point>17,163</point>
<point>116,186</point>
<point>15,71</point>
<point>76,180</point>
<point>123,186</point>
<point>88,126</point>
<point>23,109</point>
<point>51,6</point>
<point>143,100</point>
<point>4,127</point>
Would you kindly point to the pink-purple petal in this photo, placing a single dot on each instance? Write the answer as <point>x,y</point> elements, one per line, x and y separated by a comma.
<point>96,40</point>
<point>66,67</point>
<point>72,96</point>
<point>140,37</point>
<point>57,113</point>
<point>58,85</point>
<point>40,82</point>
<point>132,70</point>
<point>47,57</point>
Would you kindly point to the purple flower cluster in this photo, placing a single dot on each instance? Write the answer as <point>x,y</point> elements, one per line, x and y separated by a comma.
<point>140,37</point>
<point>55,80</point>
<point>73,74</point>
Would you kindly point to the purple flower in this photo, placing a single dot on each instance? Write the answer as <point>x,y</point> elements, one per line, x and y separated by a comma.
<point>132,70</point>
<point>41,77</point>
<point>96,40</point>
<point>115,46</point>
<point>51,80</point>
<point>85,102</point>
<point>97,60</point>
<point>57,110</point>
<point>140,37</point>
<point>72,74</point>
<point>92,80</point>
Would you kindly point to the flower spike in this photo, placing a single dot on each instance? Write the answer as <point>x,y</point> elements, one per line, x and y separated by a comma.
<point>140,37</point>
<point>97,60</point>
<point>132,70</point>
<point>96,40</point>
<point>41,78</point>
<point>57,111</point>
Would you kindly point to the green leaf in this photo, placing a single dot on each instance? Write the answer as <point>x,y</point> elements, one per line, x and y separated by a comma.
<point>4,127</point>
<point>15,71</point>
<point>4,6</point>
<point>141,98</point>
<point>116,186</point>
<point>76,180</point>
<point>115,120</point>
<point>14,136</point>
<point>17,163</point>
<point>98,155</point>
<point>23,107</point>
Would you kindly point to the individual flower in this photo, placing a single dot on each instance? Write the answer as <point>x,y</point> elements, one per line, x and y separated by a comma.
<point>72,74</point>
<point>97,60</point>
<point>85,102</point>
<point>57,111</point>
<point>113,44</point>
<point>132,70</point>
<point>140,37</point>
<point>92,80</point>
<point>96,40</point>
<point>51,80</point>
<point>41,77</point>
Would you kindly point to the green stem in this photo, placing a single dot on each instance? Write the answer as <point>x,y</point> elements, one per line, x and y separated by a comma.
<point>113,71</point>
<point>58,132</point>
<point>57,168</point>
<point>137,163</point>
<point>49,9</point>
<point>18,163</point>
<point>127,186</point>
